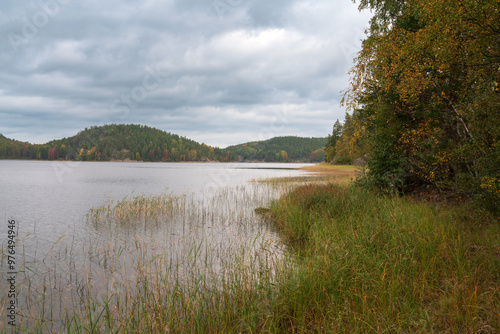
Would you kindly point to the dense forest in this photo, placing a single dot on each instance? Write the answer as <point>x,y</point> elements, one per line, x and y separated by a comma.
<point>281,149</point>
<point>13,149</point>
<point>143,143</point>
<point>115,142</point>
<point>424,98</point>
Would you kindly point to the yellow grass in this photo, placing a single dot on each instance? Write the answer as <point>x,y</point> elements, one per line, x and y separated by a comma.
<point>346,170</point>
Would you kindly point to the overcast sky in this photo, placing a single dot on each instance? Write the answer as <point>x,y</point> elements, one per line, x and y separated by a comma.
<point>221,72</point>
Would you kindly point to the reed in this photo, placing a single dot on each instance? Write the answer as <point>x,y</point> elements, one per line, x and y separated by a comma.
<point>142,207</point>
<point>325,257</point>
<point>154,263</point>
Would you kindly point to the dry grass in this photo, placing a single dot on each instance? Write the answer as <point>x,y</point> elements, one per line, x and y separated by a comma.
<point>339,170</point>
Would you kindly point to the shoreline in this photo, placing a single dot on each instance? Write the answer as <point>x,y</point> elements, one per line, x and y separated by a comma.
<point>140,161</point>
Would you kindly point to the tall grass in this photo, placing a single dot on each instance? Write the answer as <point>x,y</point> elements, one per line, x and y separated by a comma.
<point>159,302</point>
<point>367,263</point>
<point>153,264</point>
<point>354,263</point>
<point>142,207</point>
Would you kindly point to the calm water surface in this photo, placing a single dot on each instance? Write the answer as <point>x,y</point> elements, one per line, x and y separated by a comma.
<point>52,197</point>
<point>50,200</point>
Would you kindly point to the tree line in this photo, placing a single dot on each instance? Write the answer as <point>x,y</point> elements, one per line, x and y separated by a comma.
<point>143,143</point>
<point>115,142</point>
<point>424,97</point>
<point>281,149</point>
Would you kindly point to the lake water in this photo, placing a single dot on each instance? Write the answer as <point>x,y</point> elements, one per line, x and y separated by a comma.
<point>59,246</point>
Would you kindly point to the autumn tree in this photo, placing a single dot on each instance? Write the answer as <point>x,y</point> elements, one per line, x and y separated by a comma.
<point>346,142</point>
<point>332,141</point>
<point>63,152</point>
<point>93,154</point>
<point>192,155</point>
<point>425,85</point>
<point>82,155</point>
<point>52,153</point>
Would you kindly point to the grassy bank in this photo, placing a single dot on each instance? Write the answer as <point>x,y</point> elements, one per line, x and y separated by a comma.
<point>354,262</point>
<point>376,264</point>
<point>357,263</point>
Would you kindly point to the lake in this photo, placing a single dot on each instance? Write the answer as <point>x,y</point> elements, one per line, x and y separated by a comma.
<point>82,225</point>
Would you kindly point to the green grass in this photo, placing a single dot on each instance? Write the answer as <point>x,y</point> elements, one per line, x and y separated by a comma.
<point>354,262</point>
<point>368,263</point>
<point>358,263</point>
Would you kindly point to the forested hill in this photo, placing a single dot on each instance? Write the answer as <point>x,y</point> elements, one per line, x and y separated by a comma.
<point>14,149</point>
<point>115,142</point>
<point>143,143</point>
<point>281,149</point>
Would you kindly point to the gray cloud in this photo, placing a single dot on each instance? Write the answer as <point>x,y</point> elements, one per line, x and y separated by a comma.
<point>220,72</point>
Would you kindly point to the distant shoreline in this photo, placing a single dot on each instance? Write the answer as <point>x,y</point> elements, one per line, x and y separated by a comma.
<point>169,162</point>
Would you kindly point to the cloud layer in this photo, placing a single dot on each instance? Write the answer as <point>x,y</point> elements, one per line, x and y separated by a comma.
<point>220,71</point>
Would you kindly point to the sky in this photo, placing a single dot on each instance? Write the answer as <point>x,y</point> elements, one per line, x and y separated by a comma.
<point>220,72</point>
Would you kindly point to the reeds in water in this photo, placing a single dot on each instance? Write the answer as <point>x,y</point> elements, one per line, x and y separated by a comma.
<point>156,263</point>
<point>147,208</point>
